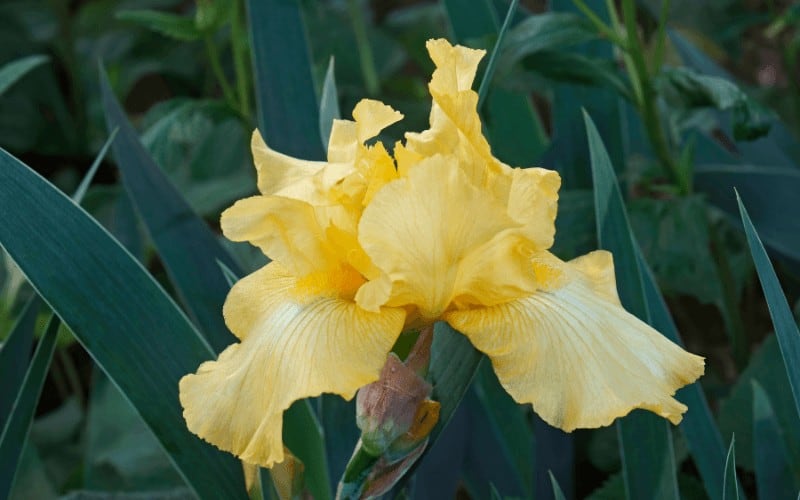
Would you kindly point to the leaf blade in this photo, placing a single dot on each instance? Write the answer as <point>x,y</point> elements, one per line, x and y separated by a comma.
<point>12,72</point>
<point>645,442</point>
<point>782,318</point>
<point>288,115</point>
<point>187,247</point>
<point>135,333</point>
<point>15,431</point>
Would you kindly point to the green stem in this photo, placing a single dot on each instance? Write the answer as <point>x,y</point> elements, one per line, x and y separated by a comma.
<point>647,98</point>
<point>604,29</point>
<point>240,59</point>
<point>732,316</point>
<point>216,68</point>
<point>355,474</point>
<point>661,36</point>
<point>364,48</point>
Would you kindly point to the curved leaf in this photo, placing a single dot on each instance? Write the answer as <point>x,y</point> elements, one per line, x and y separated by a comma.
<point>15,431</point>
<point>123,318</point>
<point>187,247</point>
<point>645,442</point>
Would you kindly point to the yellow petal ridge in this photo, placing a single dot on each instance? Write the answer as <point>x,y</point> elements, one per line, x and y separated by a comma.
<point>289,350</point>
<point>576,355</point>
<point>438,239</point>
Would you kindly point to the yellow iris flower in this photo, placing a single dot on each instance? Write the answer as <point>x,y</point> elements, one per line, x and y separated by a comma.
<point>366,245</point>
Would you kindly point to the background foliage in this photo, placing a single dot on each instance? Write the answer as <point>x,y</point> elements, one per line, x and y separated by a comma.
<point>652,112</point>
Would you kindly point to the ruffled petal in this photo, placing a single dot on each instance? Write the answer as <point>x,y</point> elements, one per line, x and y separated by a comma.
<point>372,116</point>
<point>348,136</point>
<point>286,230</point>
<point>293,346</point>
<point>533,202</point>
<point>281,174</point>
<point>428,231</point>
<point>577,355</point>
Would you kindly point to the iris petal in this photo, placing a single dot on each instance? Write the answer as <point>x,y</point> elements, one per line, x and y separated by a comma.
<point>577,355</point>
<point>440,239</point>
<point>292,346</point>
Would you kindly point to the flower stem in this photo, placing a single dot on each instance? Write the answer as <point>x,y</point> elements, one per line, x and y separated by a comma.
<point>647,98</point>
<point>239,50</point>
<point>364,48</point>
<point>216,68</point>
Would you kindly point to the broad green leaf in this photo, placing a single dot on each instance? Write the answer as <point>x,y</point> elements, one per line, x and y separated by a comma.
<point>288,115</point>
<point>328,105</point>
<point>133,330</point>
<point>171,25</point>
<point>513,127</point>
<point>569,154</point>
<point>686,90</point>
<point>736,410</point>
<point>453,364</point>
<point>184,242</point>
<point>509,425</point>
<point>15,352</point>
<point>645,441</point>
<point>698,425</point>
<point>480,471</point>
<point>779,148</point>
<point>120,451</point>
<point>471,19</point>
<point>753,181</point>
<point>14,357</point>
<point>773,470</point>
<point>547,31</point>
<point>303,435</point>
<point>15,431</point>
<point>204,149</point>
<point>557,493</point>
<point>13,71</point>
<point>730,486</point>
<point>782,318</point>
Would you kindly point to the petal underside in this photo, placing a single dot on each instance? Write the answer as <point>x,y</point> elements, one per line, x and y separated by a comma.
<point>292,347</point>
<point>576,355</point>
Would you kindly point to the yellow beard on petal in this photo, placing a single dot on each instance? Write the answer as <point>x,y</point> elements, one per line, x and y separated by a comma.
<point>341,281</point>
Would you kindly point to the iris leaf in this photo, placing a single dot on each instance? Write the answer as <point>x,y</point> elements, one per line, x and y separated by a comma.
<point>782,318</point>
<point>698,425</point>
<point>328,105</point>
<point>557,493</point>
<point>14,356</point>
<point>773,470</point>
<point>187,247</point>
<point>730,487</point>
<point>135,332</point>
<point>13,71</point>
<point>15,431</point>
<point>645,440</point>
<point>288,115</point>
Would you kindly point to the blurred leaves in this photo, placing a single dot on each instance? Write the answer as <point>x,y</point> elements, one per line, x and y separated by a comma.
<point>172,25</point>
<point>687,91</point>
<point>13,71</point>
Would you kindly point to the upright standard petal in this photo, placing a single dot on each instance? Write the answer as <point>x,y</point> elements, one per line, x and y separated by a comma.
<point>278,173</point>
<point>576,354</point>
<point>293,345</point>
<point>440,240</point>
